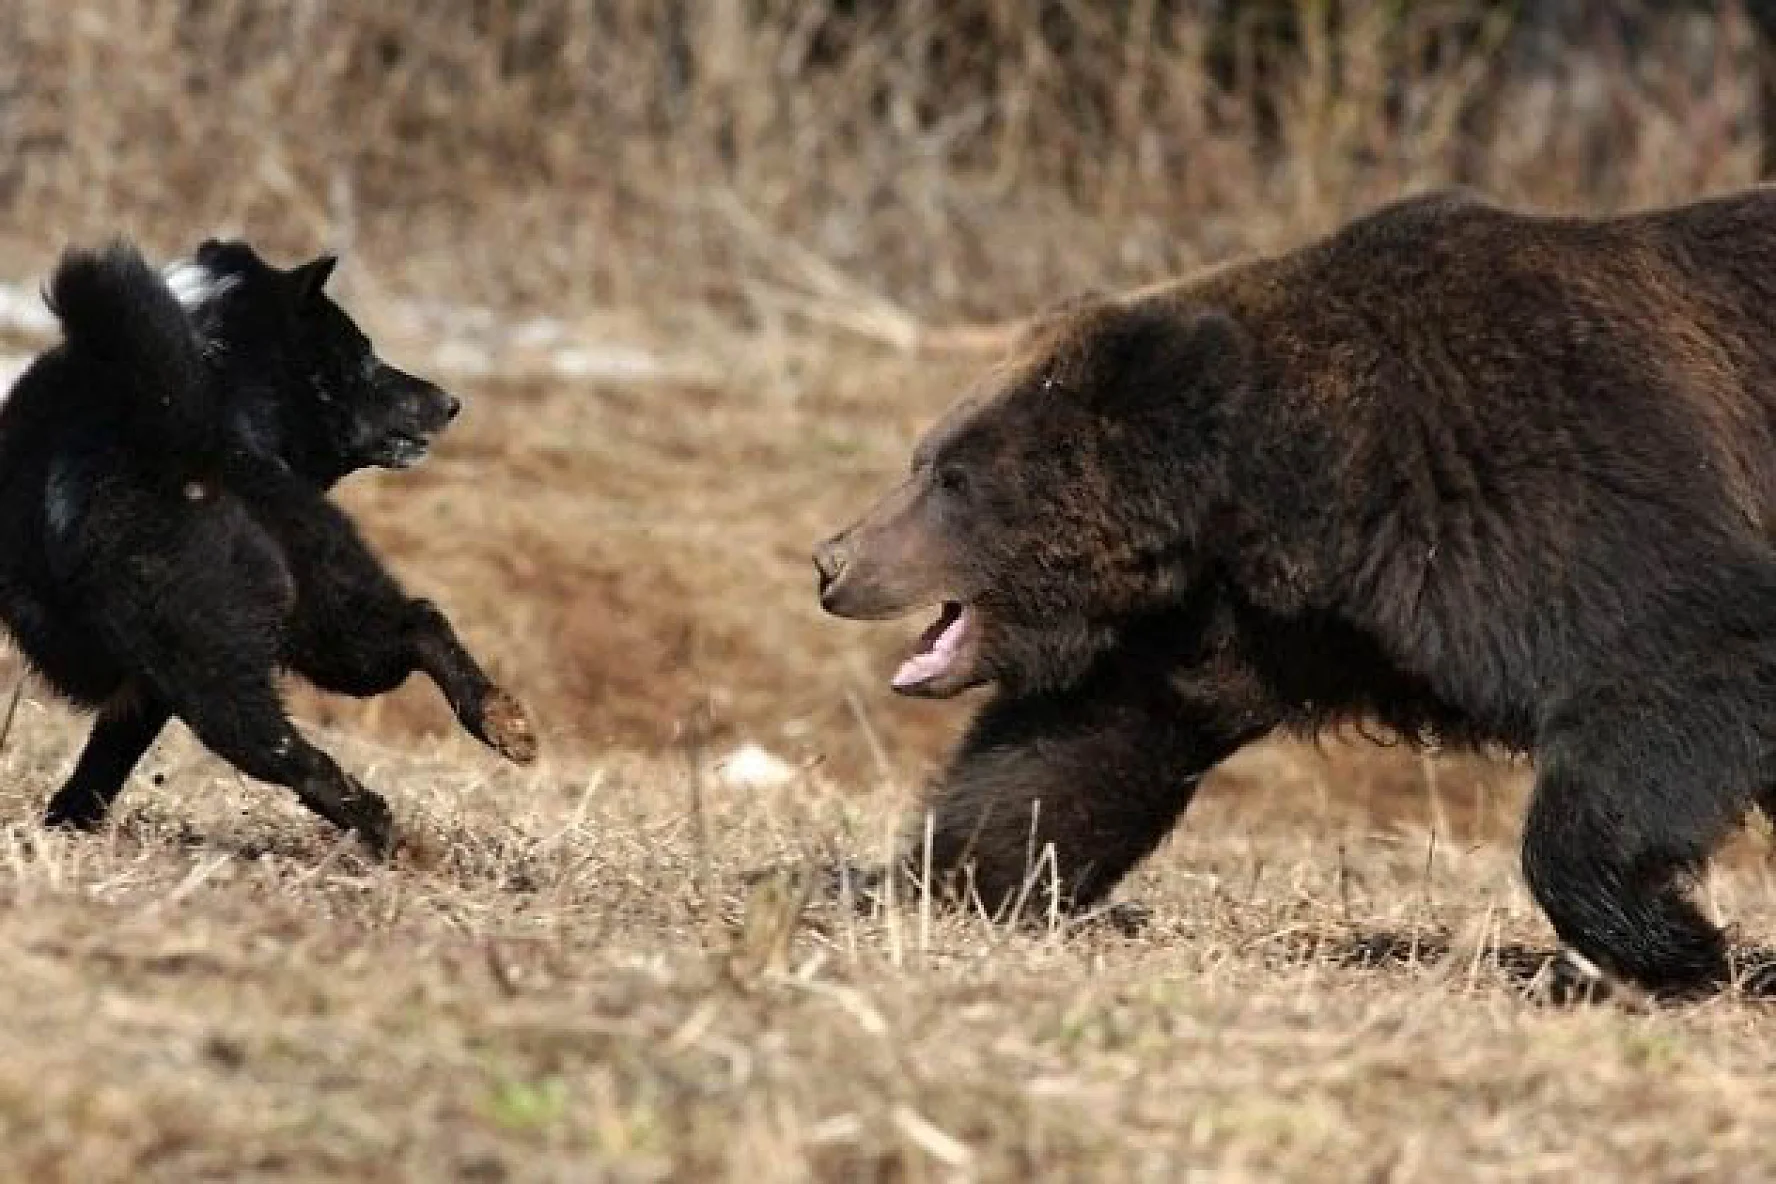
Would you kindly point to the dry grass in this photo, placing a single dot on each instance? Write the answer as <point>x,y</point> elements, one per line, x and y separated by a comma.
<point>566,975</point>
<point>563,981</point>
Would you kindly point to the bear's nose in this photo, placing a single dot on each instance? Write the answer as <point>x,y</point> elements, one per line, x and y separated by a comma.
<point>830,558</point>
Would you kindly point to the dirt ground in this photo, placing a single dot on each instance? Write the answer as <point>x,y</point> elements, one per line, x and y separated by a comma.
<point>568,975</point>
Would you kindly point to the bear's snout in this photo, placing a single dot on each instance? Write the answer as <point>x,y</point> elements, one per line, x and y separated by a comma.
<point>870,578</point>
<point>830,558</point>
<point>888,563</point>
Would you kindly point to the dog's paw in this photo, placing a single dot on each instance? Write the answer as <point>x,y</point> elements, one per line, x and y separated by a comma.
<point>506,728</point>
<point>369,817</point>
<point>80,813</point>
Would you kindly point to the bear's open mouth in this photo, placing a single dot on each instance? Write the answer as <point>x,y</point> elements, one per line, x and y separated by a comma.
<point>939,647</point>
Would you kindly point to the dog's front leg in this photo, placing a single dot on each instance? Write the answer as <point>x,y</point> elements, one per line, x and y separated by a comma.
<point>490,714</point>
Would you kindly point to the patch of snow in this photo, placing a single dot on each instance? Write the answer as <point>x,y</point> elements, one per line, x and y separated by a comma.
<point>464,340</point>
<point>11,366</point>
<point>463,357</point>
<point>22,310</point>
<point>538,332</point>
<point>477,342</point>
<point>605,361</point>
<point>753,767</point>
<point>438,318</point>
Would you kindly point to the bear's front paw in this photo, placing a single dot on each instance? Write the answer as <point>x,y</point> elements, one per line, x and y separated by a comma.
<point>835,882</point>
<point>1126,918</point>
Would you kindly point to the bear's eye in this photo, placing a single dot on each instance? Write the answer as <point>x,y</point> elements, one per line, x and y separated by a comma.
<point>952,480</point>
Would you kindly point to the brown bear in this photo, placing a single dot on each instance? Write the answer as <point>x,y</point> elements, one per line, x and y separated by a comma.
<point>1482,477</point>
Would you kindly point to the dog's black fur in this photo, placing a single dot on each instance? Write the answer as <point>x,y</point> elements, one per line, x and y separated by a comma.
<point>166,542</point>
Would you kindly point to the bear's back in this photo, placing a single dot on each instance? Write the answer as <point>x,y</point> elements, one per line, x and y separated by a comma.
<point>1509,339</point>
<point>1489,438</point>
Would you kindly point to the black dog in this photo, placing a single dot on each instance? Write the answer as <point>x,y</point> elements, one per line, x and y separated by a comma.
<point>166,543</point>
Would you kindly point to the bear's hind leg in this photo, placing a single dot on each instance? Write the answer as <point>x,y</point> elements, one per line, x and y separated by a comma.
<point>1627,805</point>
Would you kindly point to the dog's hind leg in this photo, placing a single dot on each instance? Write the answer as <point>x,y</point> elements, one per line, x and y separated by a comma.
<point>193,599</point>
<point>120,736</point>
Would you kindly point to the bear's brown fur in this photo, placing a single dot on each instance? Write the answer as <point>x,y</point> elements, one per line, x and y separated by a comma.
<point>1473,474</point>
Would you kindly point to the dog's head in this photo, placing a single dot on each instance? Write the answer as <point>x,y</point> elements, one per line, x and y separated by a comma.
<point>306,385</point>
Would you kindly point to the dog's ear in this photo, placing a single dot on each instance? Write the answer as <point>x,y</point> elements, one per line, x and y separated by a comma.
<point>308,279</point>
<point>228,256</point>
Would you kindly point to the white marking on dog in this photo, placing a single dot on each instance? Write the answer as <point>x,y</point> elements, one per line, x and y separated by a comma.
<point>61,503</point>
<point>194,285</point>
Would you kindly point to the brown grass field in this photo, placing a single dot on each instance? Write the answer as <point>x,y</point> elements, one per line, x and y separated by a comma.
<point>568,972</point>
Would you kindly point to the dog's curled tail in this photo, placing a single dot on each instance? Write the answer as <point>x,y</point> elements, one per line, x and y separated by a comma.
<point>118,313</point>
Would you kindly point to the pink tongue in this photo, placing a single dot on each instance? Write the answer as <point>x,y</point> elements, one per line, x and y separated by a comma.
<point>926,665</point>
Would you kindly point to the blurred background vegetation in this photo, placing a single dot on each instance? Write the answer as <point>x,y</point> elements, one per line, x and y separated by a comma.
<point>956,157</point>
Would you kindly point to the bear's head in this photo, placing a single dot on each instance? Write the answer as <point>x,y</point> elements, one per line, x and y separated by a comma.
<point>1076,492</point>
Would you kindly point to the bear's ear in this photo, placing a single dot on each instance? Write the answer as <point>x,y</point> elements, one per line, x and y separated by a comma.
<point>1057,313</point>
<point>308,279</point>
<point>1149,358</point>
